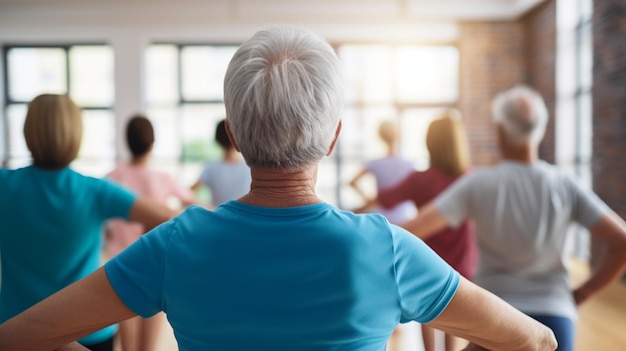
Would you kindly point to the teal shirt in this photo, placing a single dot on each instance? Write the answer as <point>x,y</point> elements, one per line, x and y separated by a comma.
<point>303,278</point>
<point>50,233</point>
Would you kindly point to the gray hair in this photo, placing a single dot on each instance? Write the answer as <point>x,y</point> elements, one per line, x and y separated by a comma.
<point>522,114</point>
<point>284,92</point>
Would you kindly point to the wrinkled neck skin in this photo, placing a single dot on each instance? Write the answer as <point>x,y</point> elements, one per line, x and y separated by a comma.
<point>278,188</point>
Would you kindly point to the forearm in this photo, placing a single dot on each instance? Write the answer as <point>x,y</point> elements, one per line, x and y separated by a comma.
<point>610,268</point>
<point>78,310</point>
<point>428,222</point>
<point>489,322</point>
<point>609,230</point>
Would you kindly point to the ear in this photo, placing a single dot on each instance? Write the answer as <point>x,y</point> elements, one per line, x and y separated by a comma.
<point>332,145</point>
<point>230,136</point>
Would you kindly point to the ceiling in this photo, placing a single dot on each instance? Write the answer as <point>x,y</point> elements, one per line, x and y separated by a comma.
<point>235,20</point>
<point>347,9</point>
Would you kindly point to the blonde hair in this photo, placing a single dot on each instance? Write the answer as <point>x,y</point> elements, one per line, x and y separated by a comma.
<point>447,144</point>
<point>53,130</point>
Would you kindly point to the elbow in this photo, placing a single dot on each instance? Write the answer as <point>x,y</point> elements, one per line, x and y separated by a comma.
<point>548,342</point>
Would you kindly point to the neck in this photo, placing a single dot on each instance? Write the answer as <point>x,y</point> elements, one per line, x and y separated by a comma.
<point>524,153</point>
<point>140,160</point>
<point>277,188</point>
<point>391,150</point>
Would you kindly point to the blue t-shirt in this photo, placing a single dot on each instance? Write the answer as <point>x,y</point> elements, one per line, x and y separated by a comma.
<point>51,233</point>
<point>304,278</point>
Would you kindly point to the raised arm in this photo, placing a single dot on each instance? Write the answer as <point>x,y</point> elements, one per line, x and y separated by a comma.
<point>429,221</point>
<point>489,323</point>
<point>78,310</point>
<point>611,230</point>
<point>150,213</point>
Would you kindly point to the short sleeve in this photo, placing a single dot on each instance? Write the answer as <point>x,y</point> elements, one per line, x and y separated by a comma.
<point>588,207</point>
<point>137,273</point>
<point>115,200</point>
<point>454,202</point>
<point>426,283</point>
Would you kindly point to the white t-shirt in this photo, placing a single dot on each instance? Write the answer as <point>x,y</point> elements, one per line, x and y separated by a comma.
<point>522,215</point>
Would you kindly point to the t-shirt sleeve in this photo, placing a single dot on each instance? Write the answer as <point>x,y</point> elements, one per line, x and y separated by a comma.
<point>426,283</point>
<point>115,200</point>
<point>588,207</point>
<point>454,202</point>
<point>137,273</point>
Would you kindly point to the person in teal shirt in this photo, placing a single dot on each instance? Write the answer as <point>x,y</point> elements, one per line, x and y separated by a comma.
<point>52,216</point>
<point>278,268</point>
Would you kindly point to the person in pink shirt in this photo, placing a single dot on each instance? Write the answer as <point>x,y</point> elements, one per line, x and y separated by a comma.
<point>138,334</point>
<point>449,159</point>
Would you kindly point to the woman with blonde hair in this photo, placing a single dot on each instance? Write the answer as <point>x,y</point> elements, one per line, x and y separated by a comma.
<point>52,216</point>
<point>449,159</point>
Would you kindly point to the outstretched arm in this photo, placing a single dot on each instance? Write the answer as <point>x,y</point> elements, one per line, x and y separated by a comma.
<point>489,323</point>
<point>429,221</point>
<point>78,310</point>
<point>150,213</point>
<point>611,230</point>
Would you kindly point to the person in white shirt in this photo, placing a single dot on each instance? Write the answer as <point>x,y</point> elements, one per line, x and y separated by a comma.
<point>522,209</point>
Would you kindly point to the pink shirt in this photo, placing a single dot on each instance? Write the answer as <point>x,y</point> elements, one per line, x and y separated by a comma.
<point>456,246</point>
<point>147,183</point>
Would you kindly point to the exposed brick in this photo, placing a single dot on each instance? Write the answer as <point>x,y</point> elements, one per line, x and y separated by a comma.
<point>496,56</point>
<point>609,102</point>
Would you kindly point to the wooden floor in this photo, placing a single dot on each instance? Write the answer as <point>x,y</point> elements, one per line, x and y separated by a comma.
<point>601,325</point>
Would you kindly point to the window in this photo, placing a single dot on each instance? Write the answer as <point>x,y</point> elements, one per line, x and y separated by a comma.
<point>184,95</point>
<point>574,102</point>
<point>410,84</point>
<point>85,72</point>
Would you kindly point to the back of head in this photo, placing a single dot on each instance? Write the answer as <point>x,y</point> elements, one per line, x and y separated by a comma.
<point>388,132</point>
<point>522,115</point>
<point>139,135</point>
<point>221,136</point>
<point>53,130</point>
<point>283,92</point>
<point>447,144</point>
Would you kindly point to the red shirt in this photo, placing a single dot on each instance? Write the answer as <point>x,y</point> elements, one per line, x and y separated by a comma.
<point>455,245</point>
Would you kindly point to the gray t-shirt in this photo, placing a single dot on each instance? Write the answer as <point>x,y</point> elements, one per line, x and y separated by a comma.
<point>523,214</point>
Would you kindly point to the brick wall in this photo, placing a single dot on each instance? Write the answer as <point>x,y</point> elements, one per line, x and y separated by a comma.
<point>496,56</point>
<point>609,103</point>
<point>540,25</point>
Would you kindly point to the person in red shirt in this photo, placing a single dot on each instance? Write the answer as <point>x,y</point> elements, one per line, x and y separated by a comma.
<point>449,160</point>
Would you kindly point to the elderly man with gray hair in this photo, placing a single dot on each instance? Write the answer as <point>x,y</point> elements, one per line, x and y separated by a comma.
<point>522,209</point>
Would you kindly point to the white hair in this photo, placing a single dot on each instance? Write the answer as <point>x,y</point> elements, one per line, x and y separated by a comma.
<point>522,114</point>
<point>284,91</point>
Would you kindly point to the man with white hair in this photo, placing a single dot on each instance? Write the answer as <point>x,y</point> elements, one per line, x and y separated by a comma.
<point>523,208</point>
